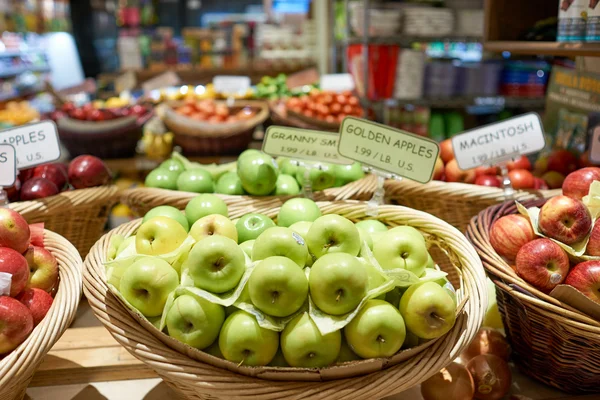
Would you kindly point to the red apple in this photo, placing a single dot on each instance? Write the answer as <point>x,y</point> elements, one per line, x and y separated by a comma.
<point>520,163</point>
<point>488,180</point>
<point>88,171</point>
<point>78,113</point>
<point>562,161</point>
<point>37,301</point>
<point>565,219</point>
<point>38,188</point>
<point>446,151</point>
<point>438,171</point>
<point>539,184</point>
<point>455,174</point>
<point>25,174</point>
<point>43,268</point>
<point>16,323</point>
<point>542,263</point>
<point>14,230</point>
<point>584,160</point>
<point>480,171</point>
<point>12,192</point>
<point>53,172</point>
<point>15,264</point>
<point>577,184</point>
<point>553,179</point>
<point>521,179</point>
<point>509,234</point>
<point>37,234</point>
<point>585,277</point>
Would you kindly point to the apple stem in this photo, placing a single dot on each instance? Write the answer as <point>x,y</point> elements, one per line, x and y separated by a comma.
<point>274,297</point>
<point>241,362</point>
<point>437,317</point>
<point>338,296</point>
<point>380,339</point>
<point>219,261</point>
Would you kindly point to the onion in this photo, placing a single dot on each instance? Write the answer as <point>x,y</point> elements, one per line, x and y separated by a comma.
<point>453,382</point>
<point>491,376</point>
<point>487,341</point>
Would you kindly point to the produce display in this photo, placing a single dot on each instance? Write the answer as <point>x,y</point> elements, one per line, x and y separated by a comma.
<point>18,113</point>
<point>274,88</point>
<point>212,112</point>
<point>89,112</point>
<point>305,290</point>
<point>326,106</point>
<point>254,173</point>
<point>28,279</point>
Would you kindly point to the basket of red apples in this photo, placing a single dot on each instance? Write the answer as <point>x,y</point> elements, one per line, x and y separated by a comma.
<point>544,257</point>
<point>73,200</point>
<point>456,195</point>
<point>40,288</point>
<point>306,300</point>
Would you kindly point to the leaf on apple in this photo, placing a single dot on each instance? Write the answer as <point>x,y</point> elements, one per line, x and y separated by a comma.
<point>268,321</point>
<point>113,245</point>
<point>401,277</point>
<point>432,275</point>
<point>592,200</point>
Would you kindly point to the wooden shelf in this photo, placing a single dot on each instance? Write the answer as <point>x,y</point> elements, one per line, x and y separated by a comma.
<point>544,48</point>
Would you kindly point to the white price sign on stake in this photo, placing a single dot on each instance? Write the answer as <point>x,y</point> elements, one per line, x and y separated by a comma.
<point>495,143</point>
<point>231,84</point>
<point>8,165</point>
<point>337,82</point>
<point>34,144</point>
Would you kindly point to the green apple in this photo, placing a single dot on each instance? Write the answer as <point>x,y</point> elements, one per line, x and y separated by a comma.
<point>447,286</point>
<point>430,263</point>
<point>277,286</point>
<point>258,173</point>
<point>345,174</point>
<point>147,283</point>
<point>286,185</point>
<point>280,241</point>
<point>411,340</point>
<point>298,209</point>
<point>250,226</point>
<point>195,321</point>
<point>338,282</point>
<point>172,165</point>
<point>249,153</point>
<point>203,205</point>
<point>162,179</point>
<point>301,228</point>
<point>400,247</point>
<point>365,237</point>
<point>286,166</point>
<point>428,310</point>
<point>197,180</point>
<point>244,342</point>
<point>371,226</point>
<point>229,183</point>
<point>321,176</point>
<point>214,350</point>
<point>303,345</point>
<point>393,296</point>
<point>278,360</point>
<point>214,224</point>
<point>125,244</point>
<point>170,212</point>
<point>346,353</point>
<point>159,235</point>
<point>376,331</point>
<point>216,263</point>
<point>247,247</point>
<point>333,233</point>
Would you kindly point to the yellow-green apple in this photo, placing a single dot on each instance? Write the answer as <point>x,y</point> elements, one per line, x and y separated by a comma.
<point>542,263</point>
<point>16,323</point>
<point>214,224</point>
<point>214,350</point>
<point>304,346</point>
<point>371,226</point>
<point>250,226</point>
<point>346,354</point>
<point>216,263</point>
<point>430,262</point>
<point>195,321</point>
<point>365,237</point>
<point>321,176</point>
<point>577,184</point>
<point>447,286</point>
<point>376,331</point>
<point>159,235</point>
<point>247,247</point>
<point>345,174</point>
<point>553,179</point>
<point>172,165</point>
<point>428,310</point>
<point>565,219</point>
<point>14,230</point>
<point>562,161</point>
<point>162,178</point>
<point>277,286</point>
<point>446,151</point>
<point>170,212</point>
<point>229,183</point>
<point>278,360</point>
<point>540,166</point>
<point>280,241</point>
<point>338,282</point>
<point>196,180</point>
<point>147,283</point>
<point>286,166</point>
<point>37,301</point>
<point>286,185</point>
<point>16,268</point>
<point>43,268</point>
<point>438,171</point>
<point>203,205</point>
<point>585,277</point>
<point>298,209</point>
<point>509,233</point>
<point>244,342</point>
<point>249,153</point>
<point>125,244</point>
<point>401,247</point>
<point>301,228</point>
<point>593,246</point>
<point>455,174</point>
<point>258,173</point>
<point>333,233</point>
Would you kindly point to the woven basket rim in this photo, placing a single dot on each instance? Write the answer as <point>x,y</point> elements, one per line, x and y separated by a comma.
<point>73,196</point>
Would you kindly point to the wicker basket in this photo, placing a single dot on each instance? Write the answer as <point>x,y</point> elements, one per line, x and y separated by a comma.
<point>79,215</point>
<point>17,368</point>
<point>197,380</point>
<point>551,341</point>
<point>455,203</point>
<point>280,116</point>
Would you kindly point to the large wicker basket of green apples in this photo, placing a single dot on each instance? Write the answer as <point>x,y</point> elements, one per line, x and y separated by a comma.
<point>308,300</point>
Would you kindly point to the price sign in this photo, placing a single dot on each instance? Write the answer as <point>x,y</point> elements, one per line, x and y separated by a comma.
<point>303,144</point>
<point>388,149</point>
<point>499,142</point>
<point>231,84</point>
<point>34,144</point>
<point>166,79</point>
<point>337,82</point>
<point>8,165</point>
<point>595,144</point>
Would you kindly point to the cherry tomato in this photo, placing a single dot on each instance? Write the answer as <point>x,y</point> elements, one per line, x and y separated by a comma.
<point>309,113</point>
<point>347,109</point>
<point>353,101</point>
<point>335,108</point>
<point>341,99</point>
<point>331,119</point>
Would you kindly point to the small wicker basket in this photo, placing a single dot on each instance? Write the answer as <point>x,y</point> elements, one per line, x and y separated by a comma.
<point>17,368</point>
<point>193,379</point>
<point>551,341</point>
<point>79,215</point>
<point>280,116</point>
<point>455,203</point>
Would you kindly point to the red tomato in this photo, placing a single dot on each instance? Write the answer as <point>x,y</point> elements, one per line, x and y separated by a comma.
<point>309,113</point>
<point>341,117</point>
<point>293,102</point>
<point>331,119</point>
<point>353,101</point>
<point>297,110</point>
<point>335,108</point>
<point>341,99</point>
<point>347,109</point>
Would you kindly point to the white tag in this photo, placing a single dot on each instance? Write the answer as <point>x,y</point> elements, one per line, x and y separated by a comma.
<point>337,82</point>
<point>34,144</point>
<point>166,79</point>
<point>5,282</point>
<point>126,81</point>
<point>499,142</point>
<point>8,165</point>
<point>595,146</point>
<point>231,84</point>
